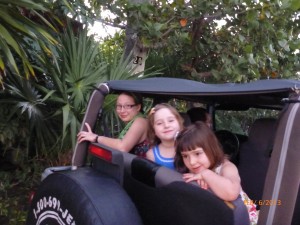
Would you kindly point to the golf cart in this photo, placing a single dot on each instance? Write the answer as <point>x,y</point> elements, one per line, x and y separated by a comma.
<point>104,186</point>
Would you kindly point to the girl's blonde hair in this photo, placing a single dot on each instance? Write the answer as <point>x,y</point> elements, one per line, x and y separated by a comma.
<point>152,138</point>
<point>198,135</point>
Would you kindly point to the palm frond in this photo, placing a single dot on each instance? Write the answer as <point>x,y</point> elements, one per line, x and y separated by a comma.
<point>27,103</point>
<point>17,28</point>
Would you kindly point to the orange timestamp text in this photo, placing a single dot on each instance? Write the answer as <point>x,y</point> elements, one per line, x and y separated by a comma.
<point>263,202</point>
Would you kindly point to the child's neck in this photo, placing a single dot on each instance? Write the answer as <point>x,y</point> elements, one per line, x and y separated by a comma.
<point>167,145</point>
<point>167,149</point>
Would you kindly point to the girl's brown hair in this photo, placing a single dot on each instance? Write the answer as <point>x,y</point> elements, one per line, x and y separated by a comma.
<point>153,140</point>
<point>137,98</point>
<point>195,136</point>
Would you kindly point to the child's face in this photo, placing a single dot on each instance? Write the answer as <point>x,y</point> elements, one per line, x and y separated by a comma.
<point>195,160</point>
<point>126,108</point>
<point>165,124</point>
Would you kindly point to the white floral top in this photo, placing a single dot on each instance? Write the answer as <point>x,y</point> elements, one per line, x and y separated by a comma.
<point>251,207</point>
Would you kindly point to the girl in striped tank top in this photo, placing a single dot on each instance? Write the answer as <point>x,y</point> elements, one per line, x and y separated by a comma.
<point>164,123</point>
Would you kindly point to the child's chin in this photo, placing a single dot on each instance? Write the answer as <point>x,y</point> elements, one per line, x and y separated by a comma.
<point>198,170</point>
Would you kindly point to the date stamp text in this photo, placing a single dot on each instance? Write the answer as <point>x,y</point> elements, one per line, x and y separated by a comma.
<point>269,202</point>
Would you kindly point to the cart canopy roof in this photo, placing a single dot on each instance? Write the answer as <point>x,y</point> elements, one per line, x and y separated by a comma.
<point>260,93</point>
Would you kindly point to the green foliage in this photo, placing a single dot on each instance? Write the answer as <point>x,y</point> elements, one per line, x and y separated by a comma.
<point>22,22</point>
<point>257,39</point>
<point>25,117</point>
<point>15,188</point>
<point>50,109</point>
<point>71,79</point>
<point>112,45</point>
<point>12,135</point>
<point>237,122</point>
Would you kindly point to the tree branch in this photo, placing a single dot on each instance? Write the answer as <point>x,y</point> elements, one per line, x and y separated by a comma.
<point>209,18</point>
<point>110,24</point>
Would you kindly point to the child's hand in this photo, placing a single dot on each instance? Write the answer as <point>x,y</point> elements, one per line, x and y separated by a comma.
<point>188,177</point>
<point>86,135</point>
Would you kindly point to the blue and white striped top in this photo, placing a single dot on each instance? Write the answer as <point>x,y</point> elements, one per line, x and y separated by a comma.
<point>163,161</point>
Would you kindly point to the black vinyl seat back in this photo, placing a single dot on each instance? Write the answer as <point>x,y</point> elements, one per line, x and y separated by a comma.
<point>160,194</point>
<point>254,157</point>
<point>163,198</point>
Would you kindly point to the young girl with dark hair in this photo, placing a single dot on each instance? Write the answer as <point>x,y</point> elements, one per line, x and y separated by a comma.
<point>200,157</point>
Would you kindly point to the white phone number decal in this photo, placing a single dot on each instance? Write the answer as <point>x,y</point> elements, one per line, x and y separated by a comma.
<point>51,203</point>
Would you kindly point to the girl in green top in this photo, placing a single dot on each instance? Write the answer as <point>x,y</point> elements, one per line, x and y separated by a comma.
<point>133,137</point>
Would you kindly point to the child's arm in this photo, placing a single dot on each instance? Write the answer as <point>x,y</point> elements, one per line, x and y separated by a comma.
<point>135,134</point>
<point>226,185</point>
<point>188,177</point>
<point>150,155</point>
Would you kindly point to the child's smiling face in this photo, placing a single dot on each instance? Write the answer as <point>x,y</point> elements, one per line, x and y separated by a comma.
<point>166,124</point>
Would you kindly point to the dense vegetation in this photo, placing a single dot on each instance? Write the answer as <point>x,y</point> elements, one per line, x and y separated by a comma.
<point>49,65</point>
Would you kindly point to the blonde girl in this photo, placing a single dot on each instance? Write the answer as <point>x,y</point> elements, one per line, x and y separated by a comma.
<point>164,124</point>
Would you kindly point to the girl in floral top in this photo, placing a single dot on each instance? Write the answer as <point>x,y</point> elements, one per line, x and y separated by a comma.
<point>200,158</point>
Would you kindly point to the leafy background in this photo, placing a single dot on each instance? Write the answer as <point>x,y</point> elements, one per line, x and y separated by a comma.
<point>49,65</point>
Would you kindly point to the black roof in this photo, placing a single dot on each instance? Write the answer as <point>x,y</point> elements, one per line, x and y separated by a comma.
<point>258,93</point>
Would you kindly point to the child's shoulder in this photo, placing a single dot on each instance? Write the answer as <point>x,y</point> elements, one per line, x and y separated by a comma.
<point>150,154</point>
<point>228,165</point>
<point>154,147</point>
<point>141,119</point>
<point>227,162</point>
